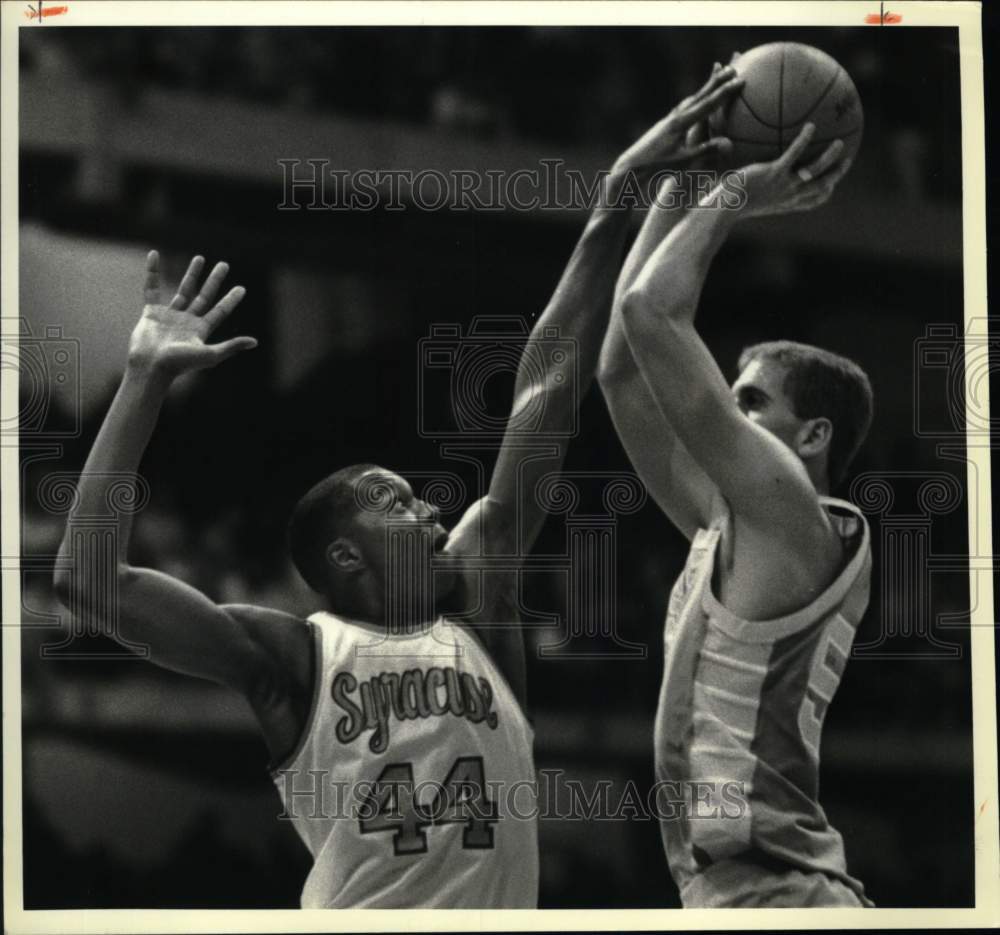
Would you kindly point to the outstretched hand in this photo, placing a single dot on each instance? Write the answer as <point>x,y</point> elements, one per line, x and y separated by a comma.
<point>172,339</point>
<point>782,187</point>
<point>668,143</point>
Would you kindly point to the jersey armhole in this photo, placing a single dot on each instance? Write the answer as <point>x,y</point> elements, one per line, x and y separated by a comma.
<point>275,768</point>
<point>478,640</point>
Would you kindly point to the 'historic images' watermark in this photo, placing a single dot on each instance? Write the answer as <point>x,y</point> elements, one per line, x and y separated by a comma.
<point>315,184</point>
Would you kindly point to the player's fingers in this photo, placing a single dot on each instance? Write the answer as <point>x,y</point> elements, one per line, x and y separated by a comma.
<point>209,289</point>
<point>716,68</point>
<point>717,145</point>
<point>151,287</point>
<point>696,135</point>
<point>685,154</point>
<point>836,174</point>
<point>230,348</point>
<point>827,158</point>
<point>718,77</point>
<point>189,284</point>
<point>797,147</point>
<point>815,196</point>
<point>735,57</point>
<point>702,108</point>
<point>828,182</point>
<point>215,316</point>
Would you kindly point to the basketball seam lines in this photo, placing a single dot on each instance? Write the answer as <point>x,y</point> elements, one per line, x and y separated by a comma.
<point>839,136</point>
<point>819,100</point>
<point>757,117</point>
<point>780,125</point>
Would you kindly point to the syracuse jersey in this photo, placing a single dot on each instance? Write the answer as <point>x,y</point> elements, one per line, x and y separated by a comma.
<point>739,718</point>
<point>413,785</point>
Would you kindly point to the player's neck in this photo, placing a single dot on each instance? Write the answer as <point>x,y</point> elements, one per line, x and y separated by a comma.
<point>362,601</point>
<point>452,602</point>
<point>367,602</point>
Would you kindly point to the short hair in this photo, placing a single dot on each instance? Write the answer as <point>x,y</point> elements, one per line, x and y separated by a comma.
<point>819,383</point>
<point>325,512</point>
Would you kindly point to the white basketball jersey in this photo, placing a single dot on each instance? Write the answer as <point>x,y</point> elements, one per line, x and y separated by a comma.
<point>413,785</point>
<point>741,711</point>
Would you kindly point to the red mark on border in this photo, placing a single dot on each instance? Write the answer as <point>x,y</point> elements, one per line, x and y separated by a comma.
<point>883,18</point>
<point>40,10</point>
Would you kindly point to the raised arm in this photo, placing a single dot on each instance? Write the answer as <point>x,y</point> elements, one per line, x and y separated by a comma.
<point>673,478</point>
<point>579,311</point>
<point>182,628</point>
<point>758,475</point>
<point>549,386</point>
<point>547,391</point>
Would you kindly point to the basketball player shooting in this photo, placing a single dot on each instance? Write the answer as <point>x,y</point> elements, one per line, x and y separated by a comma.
<point>359,697</point>
<point>761,620</point>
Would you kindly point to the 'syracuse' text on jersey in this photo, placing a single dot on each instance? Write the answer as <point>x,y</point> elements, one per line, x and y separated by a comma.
<point>740,714</point>
<point>413,784</point>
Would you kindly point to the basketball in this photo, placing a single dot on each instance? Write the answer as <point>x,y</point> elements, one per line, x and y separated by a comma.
<point>788,84</point>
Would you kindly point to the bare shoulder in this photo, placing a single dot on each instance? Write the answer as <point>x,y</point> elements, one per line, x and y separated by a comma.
<point>798,532</point>
<point>285,638</point>
<point>774,568</point>
<point>281,700</point>
<point>253,615</point>
<point>266,622</point>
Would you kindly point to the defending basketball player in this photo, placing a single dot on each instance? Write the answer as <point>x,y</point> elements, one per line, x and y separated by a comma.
<point>386,693</point>
<point>762,618</point>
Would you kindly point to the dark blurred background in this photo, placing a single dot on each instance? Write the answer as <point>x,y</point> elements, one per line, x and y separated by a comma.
<point>143,788</point>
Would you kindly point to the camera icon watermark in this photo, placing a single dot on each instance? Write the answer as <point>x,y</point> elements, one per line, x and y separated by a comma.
<point>48,366</point>
<point>952,372</point>
<point>460,368</point>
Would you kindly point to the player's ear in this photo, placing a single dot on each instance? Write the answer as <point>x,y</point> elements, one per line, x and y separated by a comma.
<point>344,555</point>
<point>814,437</point>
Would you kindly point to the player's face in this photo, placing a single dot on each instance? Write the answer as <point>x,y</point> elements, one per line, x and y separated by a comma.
<point>759,392</point>
<point>392,520</point>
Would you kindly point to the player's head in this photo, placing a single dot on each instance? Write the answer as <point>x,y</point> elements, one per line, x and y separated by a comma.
<point>818,403</point>
<point>338,534</point>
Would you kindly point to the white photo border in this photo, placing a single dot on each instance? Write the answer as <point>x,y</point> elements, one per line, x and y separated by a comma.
<point>966,16</point>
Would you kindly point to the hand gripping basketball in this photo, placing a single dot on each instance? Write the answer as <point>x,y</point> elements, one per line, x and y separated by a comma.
<point>667,142</point>
<point>779,187</point>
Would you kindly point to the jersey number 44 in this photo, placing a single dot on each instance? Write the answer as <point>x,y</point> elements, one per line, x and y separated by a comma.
<point>391,804</point>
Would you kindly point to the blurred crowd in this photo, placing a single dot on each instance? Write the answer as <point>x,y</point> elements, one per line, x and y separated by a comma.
<point>576,86</point>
